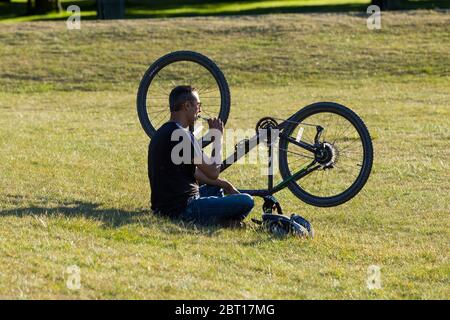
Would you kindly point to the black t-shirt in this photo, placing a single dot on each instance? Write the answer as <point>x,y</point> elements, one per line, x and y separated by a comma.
<point>171,184</point>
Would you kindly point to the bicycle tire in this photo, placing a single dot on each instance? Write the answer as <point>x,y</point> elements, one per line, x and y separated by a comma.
<point>364,173</point>
<point>176,57</point>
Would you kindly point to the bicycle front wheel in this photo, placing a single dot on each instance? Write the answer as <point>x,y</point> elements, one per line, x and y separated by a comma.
<point>345,161</point>
<point>181,68</point>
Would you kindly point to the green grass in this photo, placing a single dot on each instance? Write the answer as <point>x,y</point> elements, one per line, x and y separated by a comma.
<point>73,180</point>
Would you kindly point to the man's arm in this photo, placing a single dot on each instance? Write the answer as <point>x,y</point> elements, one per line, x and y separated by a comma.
<point>210,167</point>
<point>227,187</point>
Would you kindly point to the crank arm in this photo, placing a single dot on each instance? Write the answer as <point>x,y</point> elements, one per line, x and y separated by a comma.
<point>318,134</point>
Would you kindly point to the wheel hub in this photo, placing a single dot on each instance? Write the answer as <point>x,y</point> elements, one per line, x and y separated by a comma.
<point>326,155</point>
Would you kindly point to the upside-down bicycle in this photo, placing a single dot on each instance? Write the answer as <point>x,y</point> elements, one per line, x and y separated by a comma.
<point>325,149</point>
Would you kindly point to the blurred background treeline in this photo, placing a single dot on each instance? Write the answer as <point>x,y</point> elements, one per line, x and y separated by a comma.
<point>29,10</point>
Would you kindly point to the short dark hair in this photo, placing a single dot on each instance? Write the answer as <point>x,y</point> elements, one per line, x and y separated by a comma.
<point>180,95</point>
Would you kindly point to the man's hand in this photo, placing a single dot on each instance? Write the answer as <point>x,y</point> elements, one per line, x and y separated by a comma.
<point>227,187</point>
<point>215,123</point>
<point>215,134</point>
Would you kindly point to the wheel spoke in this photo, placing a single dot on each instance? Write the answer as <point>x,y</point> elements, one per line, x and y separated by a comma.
<point>341,133</point>
<point>157,112</point>
<point>182,72</point>
<point>207,90</point>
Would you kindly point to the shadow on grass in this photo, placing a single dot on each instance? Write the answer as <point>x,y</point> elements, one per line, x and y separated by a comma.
<point>12,9</point>
<point>136,13</point>
<point>116,218</point>
<point>109,217</point>
<point>139,11</point>
<point>77,209</point>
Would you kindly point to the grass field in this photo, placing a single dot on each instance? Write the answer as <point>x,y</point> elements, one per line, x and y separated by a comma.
<point>73,179</point>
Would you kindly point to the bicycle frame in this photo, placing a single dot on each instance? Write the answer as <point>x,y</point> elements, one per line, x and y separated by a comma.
<point>245,146</point>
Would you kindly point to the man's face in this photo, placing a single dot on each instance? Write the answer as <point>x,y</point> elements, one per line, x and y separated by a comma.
<point>193,108</point>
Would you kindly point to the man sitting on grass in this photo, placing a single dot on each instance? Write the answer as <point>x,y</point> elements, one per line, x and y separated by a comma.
<point>174,184</point>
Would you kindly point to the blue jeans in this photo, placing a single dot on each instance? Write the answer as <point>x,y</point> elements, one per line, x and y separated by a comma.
<point>212,207</point>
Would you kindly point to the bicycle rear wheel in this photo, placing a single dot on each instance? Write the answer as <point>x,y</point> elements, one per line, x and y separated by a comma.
<point>346,163</point>
<point>181,68</point>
